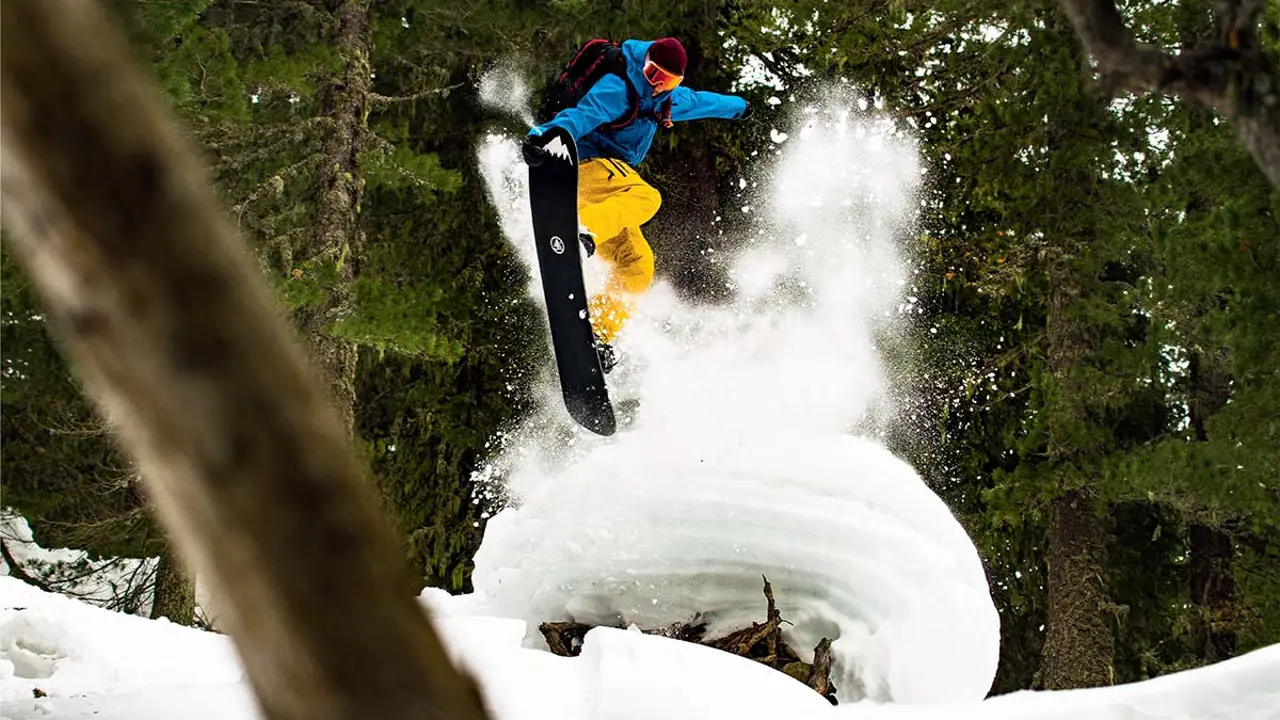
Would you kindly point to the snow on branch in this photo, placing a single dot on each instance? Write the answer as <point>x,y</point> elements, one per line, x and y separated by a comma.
<point>1228,73</point>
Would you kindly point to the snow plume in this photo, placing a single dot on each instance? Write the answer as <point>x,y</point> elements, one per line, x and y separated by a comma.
<point>503,88</point>
<point>743,460</point>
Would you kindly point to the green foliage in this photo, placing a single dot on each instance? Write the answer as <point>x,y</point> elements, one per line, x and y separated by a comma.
<point>1148,557</point>
<point>202,75</point>
<point>296,72</point>
<point>1256,615</point>
<point>398,320</point>
<point>397,167</point>
<point>306,285</point>
<point>171,19</point>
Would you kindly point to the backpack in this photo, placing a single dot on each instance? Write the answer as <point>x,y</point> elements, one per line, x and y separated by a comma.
<point>595,59</point>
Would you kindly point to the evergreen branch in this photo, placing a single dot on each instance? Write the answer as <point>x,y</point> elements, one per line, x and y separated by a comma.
<point>66,581</point>
<point>382,101</point>
<point>295,133</point>
<point>276,182</point>
<point>1229,73</point>
<point>226,135</point>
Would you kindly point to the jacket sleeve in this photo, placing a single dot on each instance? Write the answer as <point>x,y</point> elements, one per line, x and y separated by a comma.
<point>605,102</point>
<point>689,104</point>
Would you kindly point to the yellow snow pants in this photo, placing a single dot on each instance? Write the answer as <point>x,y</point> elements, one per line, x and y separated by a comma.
<point>613,202</point>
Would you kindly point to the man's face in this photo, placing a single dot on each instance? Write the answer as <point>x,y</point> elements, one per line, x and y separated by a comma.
<point>659,77</point>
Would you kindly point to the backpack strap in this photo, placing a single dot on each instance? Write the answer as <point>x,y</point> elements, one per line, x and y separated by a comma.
<point>583,76</point>
<point>633,108</point>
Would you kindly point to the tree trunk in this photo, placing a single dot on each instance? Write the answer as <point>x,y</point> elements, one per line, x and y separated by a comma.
<point>1233,72</point>
<point>171,327</point>
<point>1212,589</point>
<point>1211,582</point>
<point>175,595</point>
<point>338,236</point>
<point>1079,644</point>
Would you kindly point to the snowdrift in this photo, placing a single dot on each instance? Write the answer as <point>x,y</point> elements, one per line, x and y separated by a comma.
<point>856,547</point>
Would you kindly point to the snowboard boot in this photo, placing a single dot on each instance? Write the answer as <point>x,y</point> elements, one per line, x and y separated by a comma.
<point>608,357</point>
<point>626,410</point>
<point>588,241</point>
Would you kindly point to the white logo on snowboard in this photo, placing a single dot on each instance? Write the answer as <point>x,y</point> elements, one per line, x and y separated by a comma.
<point>557,244</point>
<point>557,148</point>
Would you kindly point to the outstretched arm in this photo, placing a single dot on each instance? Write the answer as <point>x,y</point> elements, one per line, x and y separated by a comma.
<point>689,104</point>
<point>605,102</point>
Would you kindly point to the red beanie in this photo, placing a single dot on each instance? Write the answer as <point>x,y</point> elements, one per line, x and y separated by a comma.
<point>668,53</point>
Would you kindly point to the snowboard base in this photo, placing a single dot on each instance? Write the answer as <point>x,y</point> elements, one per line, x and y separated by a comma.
<point>553,199</point>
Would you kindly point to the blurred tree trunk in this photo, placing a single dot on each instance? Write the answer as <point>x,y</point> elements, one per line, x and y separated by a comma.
<point>175,594</point>
<point>164,316</point>
<point>1232,71</point>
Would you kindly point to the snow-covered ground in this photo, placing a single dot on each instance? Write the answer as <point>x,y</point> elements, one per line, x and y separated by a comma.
<point>115,583</point>
<point>96,664</point>
<point>753,454</point>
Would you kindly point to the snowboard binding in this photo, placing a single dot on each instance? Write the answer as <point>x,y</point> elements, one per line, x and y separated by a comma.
<point>608,356</point>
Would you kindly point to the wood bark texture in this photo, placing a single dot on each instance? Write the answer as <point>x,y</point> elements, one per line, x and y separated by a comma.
<point>175,593</point>
<point>160,310</point>
<point>1210,550</point>
<point>1079,643</point>
<point>338,239</point>
<point>1230,73</point>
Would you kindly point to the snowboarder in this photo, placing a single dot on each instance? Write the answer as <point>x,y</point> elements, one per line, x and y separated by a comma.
<point>633,88</point>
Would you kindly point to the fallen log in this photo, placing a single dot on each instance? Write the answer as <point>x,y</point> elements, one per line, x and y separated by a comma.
<point>761,642</point>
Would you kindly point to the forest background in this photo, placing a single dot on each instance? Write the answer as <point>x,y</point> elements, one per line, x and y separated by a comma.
<point>1091,381</point>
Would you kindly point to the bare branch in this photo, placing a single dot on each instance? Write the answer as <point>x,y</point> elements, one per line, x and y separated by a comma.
<point>381,101</point>
<point>1228,73</point>
<point>16,570</point>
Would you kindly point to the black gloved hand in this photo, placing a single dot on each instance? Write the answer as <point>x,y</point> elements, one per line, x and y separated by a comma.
<point>746,112</point>
<point>533,153</point>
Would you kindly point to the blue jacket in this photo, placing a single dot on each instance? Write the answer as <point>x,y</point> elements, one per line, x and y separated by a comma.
<point>607,101</point>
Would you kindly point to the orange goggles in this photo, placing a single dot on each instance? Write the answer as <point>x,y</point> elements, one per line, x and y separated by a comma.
<point>661,79</point>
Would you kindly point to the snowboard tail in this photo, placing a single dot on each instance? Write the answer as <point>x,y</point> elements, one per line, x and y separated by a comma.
<point>553,197</point>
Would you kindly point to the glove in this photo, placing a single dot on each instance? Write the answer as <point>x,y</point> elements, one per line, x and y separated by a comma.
<point>746,111</point>
<point>533,153</point>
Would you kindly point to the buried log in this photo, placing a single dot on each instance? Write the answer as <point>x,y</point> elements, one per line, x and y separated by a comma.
<point>175,336</point>
<point>761,642</point>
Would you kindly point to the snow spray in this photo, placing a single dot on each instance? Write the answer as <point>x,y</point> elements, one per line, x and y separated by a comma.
<point>743,459</point>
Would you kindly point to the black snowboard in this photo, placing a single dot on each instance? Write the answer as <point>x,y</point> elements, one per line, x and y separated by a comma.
<point>553,195</point>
